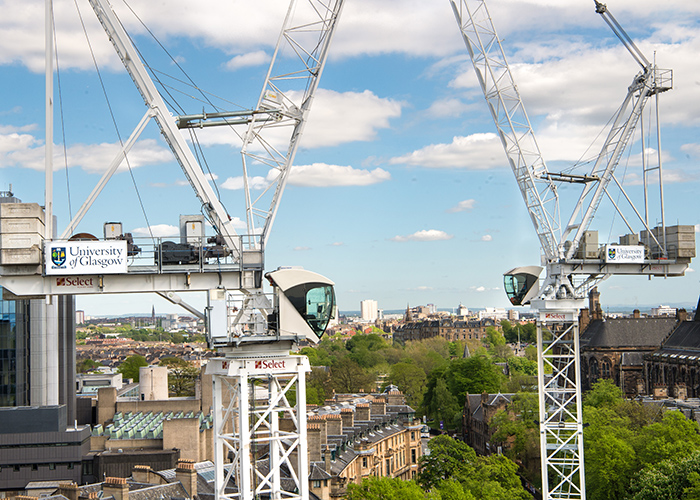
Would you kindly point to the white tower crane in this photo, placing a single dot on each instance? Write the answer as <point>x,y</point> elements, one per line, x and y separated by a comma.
<point>255,423</point>
<point>571,256</point>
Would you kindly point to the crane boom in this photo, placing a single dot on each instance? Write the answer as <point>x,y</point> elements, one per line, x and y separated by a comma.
<point>167,123</point>
<point>536,186</point>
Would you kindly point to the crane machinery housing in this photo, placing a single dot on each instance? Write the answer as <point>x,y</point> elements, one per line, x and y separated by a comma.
<point>253,330</point>
<point>571,255</point>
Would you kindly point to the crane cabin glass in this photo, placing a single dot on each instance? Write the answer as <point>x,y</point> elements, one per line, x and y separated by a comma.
<point>315,302</point>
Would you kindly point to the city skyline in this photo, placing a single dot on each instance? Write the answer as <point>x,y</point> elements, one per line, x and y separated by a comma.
<point>401,190</point>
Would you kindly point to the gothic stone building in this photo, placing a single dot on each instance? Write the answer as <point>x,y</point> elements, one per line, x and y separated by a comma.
<point>614,348</point>
<point>674,369</point>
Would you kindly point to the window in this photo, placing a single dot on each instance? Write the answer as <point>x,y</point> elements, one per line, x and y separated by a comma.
<point>316,484</point>
<point>413,435</point>
<point>52,466</point>
<point>413,456</point>
<point>364,462</point>
<point>388,466</point>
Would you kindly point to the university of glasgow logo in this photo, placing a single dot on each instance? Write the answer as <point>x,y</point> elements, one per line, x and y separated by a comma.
<point>611,253</point>
<point>58,255</point>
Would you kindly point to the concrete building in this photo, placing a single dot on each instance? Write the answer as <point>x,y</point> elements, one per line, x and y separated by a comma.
<point>38,444</point>
<point>39,438</point>
<point>368,310</point>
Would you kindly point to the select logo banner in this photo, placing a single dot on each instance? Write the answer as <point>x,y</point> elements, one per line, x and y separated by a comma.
<point>85,257</point>
<point>633,254</point>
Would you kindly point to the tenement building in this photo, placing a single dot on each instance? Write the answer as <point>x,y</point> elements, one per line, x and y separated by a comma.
<point>353,437</point>
<point>447,328</point>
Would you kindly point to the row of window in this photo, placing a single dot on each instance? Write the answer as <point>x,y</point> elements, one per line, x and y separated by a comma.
<point>35,467</point>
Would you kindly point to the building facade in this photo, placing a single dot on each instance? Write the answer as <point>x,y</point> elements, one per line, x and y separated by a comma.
<point>449,329</point>
<point>369,310</point>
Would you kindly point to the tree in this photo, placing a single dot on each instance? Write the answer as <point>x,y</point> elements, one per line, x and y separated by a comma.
<point>473,375</point>
<point>130,367</point>
<point>603,393</point>
<point>410,380</point>
<point>448,459</point>
<point>668,480</point>
<point>87,365</point>
<point>182,376</point>
<point>518,426</point>
<point>348,376</point>
<point>384,488</point>
<point>494,477</point>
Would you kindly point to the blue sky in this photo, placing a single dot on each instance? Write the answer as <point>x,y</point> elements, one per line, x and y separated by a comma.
<point>401,192</point>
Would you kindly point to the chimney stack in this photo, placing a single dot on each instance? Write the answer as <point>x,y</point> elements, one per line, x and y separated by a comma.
<point>185,473</point>
<point>334,424</point>
<point>69,490</point>
<point>116,487</point>
<point>348,417</point>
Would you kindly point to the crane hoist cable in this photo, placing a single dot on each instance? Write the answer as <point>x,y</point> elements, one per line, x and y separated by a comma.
<point>60,111</point>
<point>114,122</point>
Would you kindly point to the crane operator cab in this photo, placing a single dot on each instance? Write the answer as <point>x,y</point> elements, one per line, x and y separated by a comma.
<point>522,284</point>
<point>304,303</point>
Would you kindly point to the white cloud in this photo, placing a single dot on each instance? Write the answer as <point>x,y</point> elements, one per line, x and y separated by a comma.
<point>691,150</point>
<point>342,117</point>
<point>235,183</point>
<point>314,175</point>
<point>487,237</point>
<point>424,235</point>
<point>335,118</point>
<point>26,151</point>
<point>158,231</point>
<point>324,175</point>
<point>462,206</point>
<point>337,244</point>
<point>447,108</point>
<point>301,249</point>
<point>474,152</point>
<point>256,58</point>
<point>211,176</point>
<point>479,289</point>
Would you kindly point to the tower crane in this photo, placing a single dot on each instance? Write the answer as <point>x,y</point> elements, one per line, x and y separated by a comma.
<point>571,256</point>
<point>253,331</point>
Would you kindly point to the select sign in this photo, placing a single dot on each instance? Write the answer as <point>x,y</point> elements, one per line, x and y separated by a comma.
<point>85,257</point>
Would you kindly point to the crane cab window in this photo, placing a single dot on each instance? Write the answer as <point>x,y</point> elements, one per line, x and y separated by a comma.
<point>315,302</point>
<point>517,286</point>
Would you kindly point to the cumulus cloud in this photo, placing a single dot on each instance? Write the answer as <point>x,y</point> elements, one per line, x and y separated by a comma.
<point>447,108</point>
<point>363,114</point>
<point>314,175</point>
<point>256,58</point>
<point>235,183</point>
<point>691,150</point>
<point>474,152</point>
<point>462,206</point>
<point>424,235</point>
<point>487,237</point>
<point>158,231</point>
<point>324,175</point>
<point>26,151</point>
